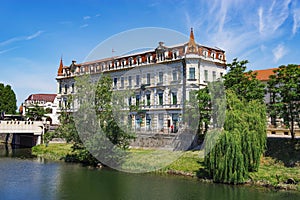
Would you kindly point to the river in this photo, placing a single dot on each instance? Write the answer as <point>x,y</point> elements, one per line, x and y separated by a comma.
<point>23,176</point>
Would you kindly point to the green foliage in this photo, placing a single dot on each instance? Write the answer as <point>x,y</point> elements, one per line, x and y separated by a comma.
<point>242,82</point>
<point>8,101</point>
<point>108,104</point>
<point>35,112</point>
<point>235,152</point>
<point>284,91</point>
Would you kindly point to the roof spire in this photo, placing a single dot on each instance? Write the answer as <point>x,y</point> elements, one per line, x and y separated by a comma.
<point>192,35</point>
<point>192,47</point>
<point>60,69</point>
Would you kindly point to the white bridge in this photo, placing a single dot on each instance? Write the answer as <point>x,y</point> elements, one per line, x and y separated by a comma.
<point>27,133</point>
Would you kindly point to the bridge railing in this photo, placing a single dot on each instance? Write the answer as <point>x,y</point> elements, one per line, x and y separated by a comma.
<point>15,126</point>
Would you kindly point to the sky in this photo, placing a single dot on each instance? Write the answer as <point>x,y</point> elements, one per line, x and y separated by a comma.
<point>36,34</point>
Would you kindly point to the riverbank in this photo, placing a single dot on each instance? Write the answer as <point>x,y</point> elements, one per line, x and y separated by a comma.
<point>272,173</point>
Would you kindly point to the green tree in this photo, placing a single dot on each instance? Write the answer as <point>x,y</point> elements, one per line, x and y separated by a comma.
<point>242,82</point>
<point>35,112</point>
<point>8,101</point>
<point>284,90</point>
<point>231,155</point>
<point>107,105</point>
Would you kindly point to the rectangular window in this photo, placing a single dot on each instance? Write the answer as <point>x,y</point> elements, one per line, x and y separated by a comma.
<point>174,98</point>
<point>205,75</point>
<point>221,74</point>
<point>192,73</point>
<point>129,101</point>
<point>148,79</point>
<point>174,75</point>
<point>115,82</point>
<point>59,89</point>
<point>129,81</point>
<point>214,75</point>
<point>137,100</point>
<point>66,88</point>
<point>137,80</point>
<point>160,99</point>
<point>73,88</point>
<point>160,77</point>
<point>148,99</point>
<point>122,82</point>
<point>161,121</point>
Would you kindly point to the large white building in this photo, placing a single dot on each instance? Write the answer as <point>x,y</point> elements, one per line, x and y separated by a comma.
<point>161,80</point>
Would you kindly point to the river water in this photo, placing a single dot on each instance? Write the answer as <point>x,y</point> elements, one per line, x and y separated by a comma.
<point>25,177</point>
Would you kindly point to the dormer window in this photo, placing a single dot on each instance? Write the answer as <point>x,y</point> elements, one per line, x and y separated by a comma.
<point>103,66</point>
<point>213,55</point>
<point>205,53</point>
<point>220,56</point>
<point>109,65</point>
<point>116,63</point>
<point>148,58</point>
<point>123,62</point>
<point>139,60</point>
<point>130,61</point>
<point>175,54</point>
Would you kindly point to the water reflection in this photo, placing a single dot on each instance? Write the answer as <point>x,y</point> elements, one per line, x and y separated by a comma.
<point>35,178</point>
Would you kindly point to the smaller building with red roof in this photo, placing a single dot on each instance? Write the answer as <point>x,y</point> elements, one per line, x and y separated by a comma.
<point>47,102</point>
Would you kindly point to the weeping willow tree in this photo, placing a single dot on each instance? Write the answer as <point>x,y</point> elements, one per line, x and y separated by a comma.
<point>240,145</point>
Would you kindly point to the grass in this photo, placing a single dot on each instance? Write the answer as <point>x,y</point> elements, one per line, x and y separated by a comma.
<point>52,151</point>
<point>272,172</point>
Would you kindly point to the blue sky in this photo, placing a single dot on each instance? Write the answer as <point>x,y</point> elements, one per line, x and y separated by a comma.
<point>35,34</point>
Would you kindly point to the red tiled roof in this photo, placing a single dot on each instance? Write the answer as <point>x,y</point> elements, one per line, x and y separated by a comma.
<point>42,97</point>
<point>60,69</point>
<point>264,74</point>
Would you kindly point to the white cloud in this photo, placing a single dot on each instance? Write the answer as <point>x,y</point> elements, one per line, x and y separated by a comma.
<point>21,38</point>
<point>272,17</point>
<point>35,35</point>
<point>296,17</point>
<point>86,17</point>
<point>7,50</point>
<point>84,26</point>
<point>279,52</point>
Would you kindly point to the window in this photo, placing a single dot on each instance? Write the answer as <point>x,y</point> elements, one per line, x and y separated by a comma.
<point>139,60</point>
<point>73,88</point>
<point>59,89</point>
<point>130,61</point>
<point>137,100</point>
<point>129,81</point>
<point>161,121</point>
<point>221,74</point>
<point>192,73</point>
<point>205,75</point>
<point>122,82</point>
<point>148,78</point>
<point>129,101</point>
<point>174,75</point>
<point>174,98</point>
<point>160,77</point>
<point>66,88</point>
<point>214,75</point>
<point>149,58</point>
<point>137,80</point>
<point>148,99</point>
<point>115,82</point>
<point>160,99</point>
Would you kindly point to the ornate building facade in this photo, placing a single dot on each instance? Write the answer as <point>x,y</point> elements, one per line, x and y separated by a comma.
<point>161,80</point>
